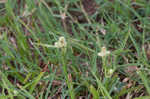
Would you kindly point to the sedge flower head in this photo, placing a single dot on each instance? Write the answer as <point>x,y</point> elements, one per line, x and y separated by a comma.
<point>110,72</point>
<point>63,16</point>
<point>103,52</point>
<point>61,43</point>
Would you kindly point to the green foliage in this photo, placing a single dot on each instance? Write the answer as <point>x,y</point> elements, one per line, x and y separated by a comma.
<point>32,66</point>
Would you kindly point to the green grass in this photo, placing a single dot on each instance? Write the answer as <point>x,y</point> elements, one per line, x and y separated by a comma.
<point>32,67</point>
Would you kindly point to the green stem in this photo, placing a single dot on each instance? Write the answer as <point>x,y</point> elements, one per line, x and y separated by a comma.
<point>69,84</point>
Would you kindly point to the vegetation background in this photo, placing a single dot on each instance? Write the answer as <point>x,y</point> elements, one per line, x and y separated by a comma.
<point>105,55</point>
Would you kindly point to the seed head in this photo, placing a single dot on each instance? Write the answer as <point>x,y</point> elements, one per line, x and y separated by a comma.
<point>103,52</point>
<point>61,43</point>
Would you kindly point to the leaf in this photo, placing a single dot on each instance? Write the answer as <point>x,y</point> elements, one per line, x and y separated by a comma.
<point>89,6</point>
<point>94,92</point>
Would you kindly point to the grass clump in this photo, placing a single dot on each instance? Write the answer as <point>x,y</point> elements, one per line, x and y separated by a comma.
<point>74,49</point>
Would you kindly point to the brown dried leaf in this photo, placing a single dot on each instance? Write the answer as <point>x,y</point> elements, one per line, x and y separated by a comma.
<point>131,69</point>
<point>125,79</point>
<point>56,83</point>
<point>3,1</point>
<point>90,6</point>
<point>148,52</point>
<point>70,77</point>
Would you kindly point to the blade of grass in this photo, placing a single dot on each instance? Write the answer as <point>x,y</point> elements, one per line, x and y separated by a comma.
<point>36,81</point>
<point>144,80</point>
<point>102,87</point>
